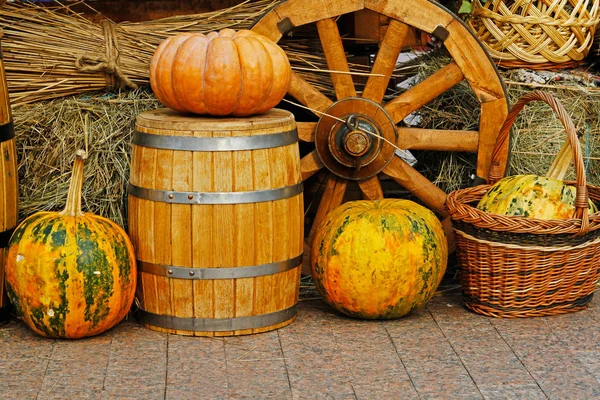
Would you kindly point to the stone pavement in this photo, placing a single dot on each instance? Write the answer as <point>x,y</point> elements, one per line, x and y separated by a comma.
<point>441,351</point>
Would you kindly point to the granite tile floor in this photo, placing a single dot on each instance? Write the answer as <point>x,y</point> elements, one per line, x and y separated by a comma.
<point>442,351</point>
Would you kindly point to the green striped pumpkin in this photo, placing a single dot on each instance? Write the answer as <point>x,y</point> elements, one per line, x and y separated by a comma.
<point>70,274</point>
<point>531,196</point>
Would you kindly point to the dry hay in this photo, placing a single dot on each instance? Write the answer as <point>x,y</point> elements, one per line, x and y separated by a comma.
<point>53,51</point>
<point>48,134</point>
<point>537,134</point>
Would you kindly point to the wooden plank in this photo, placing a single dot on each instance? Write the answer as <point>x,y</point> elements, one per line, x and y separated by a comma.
<point>474,63</point>
<point>335,55</point>
<point>367,25</point>
<point>5,110</point>
<point>423,92</point>
<point>437,139</point>
<point>244,239</point>
<point>76,368</point>
<point>426,353</point>
<point>182,293</point>
<point>493,366</point>
<point>224,231</point>
<point>136,355</point>
<point>189,355</point>
<point>386,60</point>
<point>426,16</point>
<point>301,12</point>
<point>162,232</point>
<point>549,359</point>
<point>310,165</point>
<point>493,115</point>
<point>145,218</point>
<point>306,94</point>
<point>281,229</point>
<point>203,240</point>
<point>371,188</point>
<point>256,367</point>
<point>263,227</point>
<point>306,131</point>
<point>10,183</point>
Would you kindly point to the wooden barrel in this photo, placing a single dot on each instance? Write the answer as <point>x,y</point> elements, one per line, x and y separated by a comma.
<point>216,218</point>
<point>9,193</point>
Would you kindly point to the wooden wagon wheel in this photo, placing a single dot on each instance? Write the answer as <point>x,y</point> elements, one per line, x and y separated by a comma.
<point>343,147</point>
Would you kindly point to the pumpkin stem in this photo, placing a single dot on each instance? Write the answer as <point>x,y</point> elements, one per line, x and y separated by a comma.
<point>73,207</point>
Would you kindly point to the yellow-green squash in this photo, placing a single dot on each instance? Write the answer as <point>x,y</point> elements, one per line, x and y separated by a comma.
<point>70,274</point>
<point>379,259</point>
<point>531,196</point>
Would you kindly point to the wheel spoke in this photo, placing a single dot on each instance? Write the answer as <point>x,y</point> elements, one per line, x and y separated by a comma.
<point>306,131</point>
<point>371,188</point>
<point>412,180</point>
<point>310,165</point>
<point>424,92</point>
<point>335,187</point>
<point>336,58</point>
<point>306,94</point>
<point>447,226</point>
<point>437,139</point>
<point>385,63</point>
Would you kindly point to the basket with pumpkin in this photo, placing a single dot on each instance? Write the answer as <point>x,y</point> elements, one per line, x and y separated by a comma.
<point>528,245</point>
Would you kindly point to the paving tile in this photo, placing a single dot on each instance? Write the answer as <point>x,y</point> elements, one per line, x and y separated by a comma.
<point>369,356</point>
<point>256,367</point>
<point>434,367</point>
<point>489,360</point>
<point>24,357</point>
<point>591,361</point>
<point>577,330</point>
<point>507,391</point>
<point>557,370</point>
<point>315,366</point>
<point>196,368</point>
<point>137,364</point>
<point>77,368</point>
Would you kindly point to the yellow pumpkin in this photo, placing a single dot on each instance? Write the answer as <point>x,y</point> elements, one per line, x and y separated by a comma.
<point>221,73</point>
<point>379,259</point>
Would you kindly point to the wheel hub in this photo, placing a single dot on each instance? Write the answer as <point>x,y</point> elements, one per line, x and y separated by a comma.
<point>349,138</point>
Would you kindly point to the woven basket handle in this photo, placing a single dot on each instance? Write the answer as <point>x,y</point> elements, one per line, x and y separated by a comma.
<point>581,199</point>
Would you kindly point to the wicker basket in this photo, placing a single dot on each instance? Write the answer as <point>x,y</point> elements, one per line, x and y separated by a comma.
<point>538,34</point>
<point>514,266</point>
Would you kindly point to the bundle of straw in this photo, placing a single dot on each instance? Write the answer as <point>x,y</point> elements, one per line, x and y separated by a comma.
<point>48,134</point>
<point>53,51</point>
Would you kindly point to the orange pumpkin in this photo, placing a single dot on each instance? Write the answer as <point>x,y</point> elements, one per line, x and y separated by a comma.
<point>226,73</point>
<point>70,274</point>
